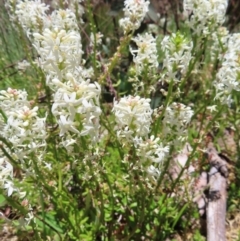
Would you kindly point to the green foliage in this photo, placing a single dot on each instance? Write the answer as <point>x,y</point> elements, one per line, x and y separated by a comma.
<point>14,48</point>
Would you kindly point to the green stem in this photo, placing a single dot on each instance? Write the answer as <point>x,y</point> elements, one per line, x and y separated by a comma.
<point>168,100</point>
<point>124,42</point>
<point>94,31</point>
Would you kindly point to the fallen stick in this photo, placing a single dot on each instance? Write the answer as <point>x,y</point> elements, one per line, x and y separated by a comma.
<point>217,197</point>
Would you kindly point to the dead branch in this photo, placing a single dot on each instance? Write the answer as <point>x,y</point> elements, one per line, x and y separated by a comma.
<point>217,196</point>
<point>216,208</point>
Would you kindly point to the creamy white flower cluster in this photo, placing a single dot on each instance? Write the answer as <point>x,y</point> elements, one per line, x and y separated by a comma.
<point>31,15</point>
<point>6,174</point>
<point>23,65</point>
<point>228,78</point>
<point>151,151</point>
<point>24,129</point>
<point>219,43</point>
<point>12,99</point>
<point>134,13</point>
<point>74,5</point>
<point>98,39</point>
<point>60,51</point>
<point>63,19</point>
<point>58,43</point>
<point>133,116</point>
<point>177,50</point>
<point>205,15</point>
<point>55,36</point>
<point>76,106</point>
<point>95,45</point>
<point>176,117</point>
<point>145,56</point>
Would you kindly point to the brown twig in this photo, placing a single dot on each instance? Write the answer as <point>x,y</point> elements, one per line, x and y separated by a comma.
<point>217,196</point>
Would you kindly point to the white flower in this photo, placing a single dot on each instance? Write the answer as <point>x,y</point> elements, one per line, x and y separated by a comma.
<point>60,50</point>
<point>227,78</point>
<point>24,129</point>
<point>48,165</point>
<point>98,40</point>
<point>145,56</point>
<point>76,106</point>
<point>12,99</point>
<point>205,15</point>
<point>23,65</point>
<point>134,13</point>
<point>80,73</point>
<point>212,108</point>
<point>151,150</point>
<point>177,50</point>
<point>63,19</point>
<point>6,174</point>
<point>176,118</point>
<point>31,15</point>
<point>220,40</point>
<point>153,171</point>
<point>133,114</point>
<point>74,5</point>
<point>68,142</point>
<point>10,187</point>
<point>29,217</point>
<point>6,169</point>
<point>66,124</point>
<point>178,114</point>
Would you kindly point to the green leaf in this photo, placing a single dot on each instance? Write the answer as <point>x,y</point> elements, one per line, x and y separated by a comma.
<point>2,200</point>
<point>49,222</point>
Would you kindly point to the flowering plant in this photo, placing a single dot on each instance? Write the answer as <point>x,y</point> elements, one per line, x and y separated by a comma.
<point>105,135</point>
